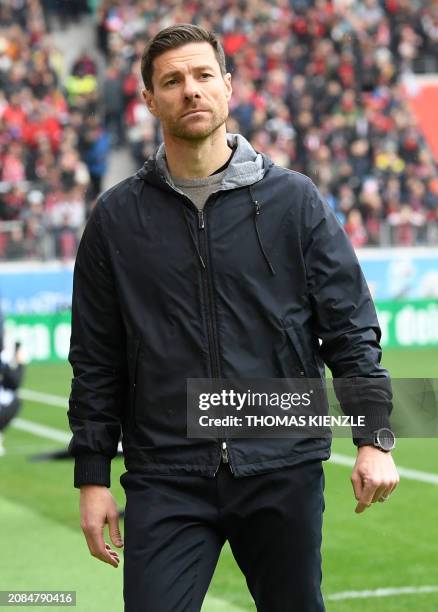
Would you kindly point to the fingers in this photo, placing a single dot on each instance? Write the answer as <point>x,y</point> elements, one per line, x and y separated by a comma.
<point>98,547</point>
<point>97,507</point>
<point>374,492</point>
<point>380,493</point>
<point>114,554</point>
<point>374,478</point>
<point>366,497</point>
<point>362,492</point>
<point>360,507</point>
<point>356,481</point>
<point>388,488</point>
<point>114,529</point>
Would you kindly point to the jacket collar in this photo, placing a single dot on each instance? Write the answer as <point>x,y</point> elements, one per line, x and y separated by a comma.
<point>246,167</point>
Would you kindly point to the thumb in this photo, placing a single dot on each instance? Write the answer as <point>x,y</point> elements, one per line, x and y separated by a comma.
<point>114,530</point>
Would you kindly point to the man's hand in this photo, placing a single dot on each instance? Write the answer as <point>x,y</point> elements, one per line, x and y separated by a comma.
<point>374,477</point>
<point>97,507</point>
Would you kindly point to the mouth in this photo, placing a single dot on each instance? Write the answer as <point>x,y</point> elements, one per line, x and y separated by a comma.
<point>194,111</point>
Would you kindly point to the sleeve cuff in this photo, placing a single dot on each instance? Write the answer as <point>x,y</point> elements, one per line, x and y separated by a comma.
<point>374,421</point>
<point>92,469</point>
<point>370,398</point>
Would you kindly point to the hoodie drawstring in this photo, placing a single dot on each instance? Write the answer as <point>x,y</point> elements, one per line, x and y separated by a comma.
<point>257,210</point>
<point>195,244</point>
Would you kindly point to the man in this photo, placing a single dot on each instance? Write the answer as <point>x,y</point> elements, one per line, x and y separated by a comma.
<point>11,375</point>
<point>212,262</point>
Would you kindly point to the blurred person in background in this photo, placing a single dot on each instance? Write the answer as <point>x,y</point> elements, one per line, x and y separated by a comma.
<point>16,247</point>
<point>114,102</point>
<point>213,261</point>
<point>11,375</point>
<point>95,147</point>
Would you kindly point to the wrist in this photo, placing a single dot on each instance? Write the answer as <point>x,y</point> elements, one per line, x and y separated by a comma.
<point>369,448</point>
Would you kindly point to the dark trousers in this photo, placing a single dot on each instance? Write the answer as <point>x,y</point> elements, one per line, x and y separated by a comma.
<point>175,527</point>
<point>8,412</point>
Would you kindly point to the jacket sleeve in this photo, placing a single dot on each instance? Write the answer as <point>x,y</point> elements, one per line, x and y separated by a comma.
<point>345,319</point>
<point>97,356</point>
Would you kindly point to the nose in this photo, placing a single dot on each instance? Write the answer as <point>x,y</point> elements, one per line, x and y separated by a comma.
<point>191,89</point>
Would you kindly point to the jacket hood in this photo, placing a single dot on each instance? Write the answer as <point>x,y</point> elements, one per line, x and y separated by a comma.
<point>246,167</point>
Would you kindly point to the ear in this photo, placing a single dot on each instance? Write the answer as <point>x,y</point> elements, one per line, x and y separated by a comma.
<point>228,87</point>
<point>148,97</point>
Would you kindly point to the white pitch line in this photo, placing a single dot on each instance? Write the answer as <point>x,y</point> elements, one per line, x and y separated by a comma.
<point>36,396</point>
<point>337,459</point>
<point>42,430</point>
<point>387,592</point>
<point>216,604</point>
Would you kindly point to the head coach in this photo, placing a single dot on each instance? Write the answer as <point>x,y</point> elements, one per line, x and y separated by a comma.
<point>213,262</point>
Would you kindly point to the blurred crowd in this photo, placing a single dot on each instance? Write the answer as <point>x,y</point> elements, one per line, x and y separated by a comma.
<point>53,146</point>
<point>317,85</point>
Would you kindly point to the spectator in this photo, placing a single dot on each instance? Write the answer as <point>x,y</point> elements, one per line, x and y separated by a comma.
<point>356,229</point>
<point>113,100</point>
<point>95,146</point>
<point>16,248</point>
<point>406,224</point>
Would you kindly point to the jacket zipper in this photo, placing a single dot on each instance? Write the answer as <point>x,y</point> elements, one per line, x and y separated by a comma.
<point>212,336</point>
<point>211,328</point>
<point>211,321</point>
<point>201,222</point>
<point>208,285</point>
<point>224,454</point>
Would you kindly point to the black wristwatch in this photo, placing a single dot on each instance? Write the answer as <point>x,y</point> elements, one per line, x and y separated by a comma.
<point>384,439</point>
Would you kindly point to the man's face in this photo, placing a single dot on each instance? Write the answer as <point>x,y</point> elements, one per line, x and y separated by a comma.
<point>190,96</point>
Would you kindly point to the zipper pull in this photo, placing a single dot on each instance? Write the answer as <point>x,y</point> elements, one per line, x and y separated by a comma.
<point>224,452</point>
<point>201,223</point>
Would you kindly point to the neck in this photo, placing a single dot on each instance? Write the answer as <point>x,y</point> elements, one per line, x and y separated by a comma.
<point>189,159</point>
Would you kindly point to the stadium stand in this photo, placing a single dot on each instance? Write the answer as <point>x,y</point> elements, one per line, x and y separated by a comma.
<point>53,148</point>
<point>317,85</point>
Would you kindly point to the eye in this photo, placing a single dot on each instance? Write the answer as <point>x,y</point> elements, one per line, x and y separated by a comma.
<point>170,82</point>
<point>205,75</point>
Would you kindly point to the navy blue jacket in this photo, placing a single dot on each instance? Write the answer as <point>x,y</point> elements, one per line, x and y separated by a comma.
<point>263,284</point>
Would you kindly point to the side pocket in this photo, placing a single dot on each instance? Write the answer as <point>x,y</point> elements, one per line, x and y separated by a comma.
<point>133,366</point>
<point>309,372</point>
<point>298,351</point>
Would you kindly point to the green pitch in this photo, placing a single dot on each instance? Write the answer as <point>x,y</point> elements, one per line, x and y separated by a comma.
<point>390,546</point>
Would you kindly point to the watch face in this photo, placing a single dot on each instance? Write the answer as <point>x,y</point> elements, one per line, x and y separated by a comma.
<point>385,439</point>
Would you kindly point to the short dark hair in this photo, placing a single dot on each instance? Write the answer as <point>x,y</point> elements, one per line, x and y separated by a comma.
<point>173,37</point>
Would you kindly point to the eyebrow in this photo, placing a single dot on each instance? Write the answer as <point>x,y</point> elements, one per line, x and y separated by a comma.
<point>177,72</point>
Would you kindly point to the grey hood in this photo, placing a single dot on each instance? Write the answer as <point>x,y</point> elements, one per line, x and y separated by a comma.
<point>246,167</point>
